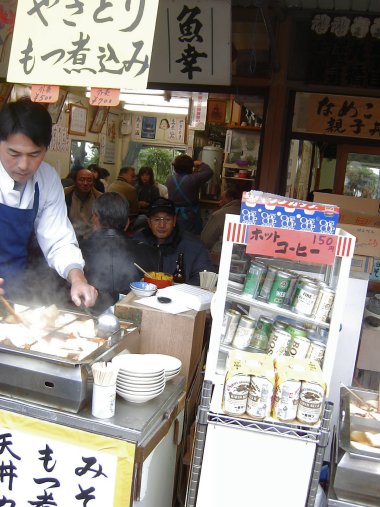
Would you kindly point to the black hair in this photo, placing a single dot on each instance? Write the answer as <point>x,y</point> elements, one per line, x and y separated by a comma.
<point>104,173</point>
<point>111,208</point>
<point>146,170</point>
<point>29,118</point>
<point>125,170</point>
<point>183,164</point>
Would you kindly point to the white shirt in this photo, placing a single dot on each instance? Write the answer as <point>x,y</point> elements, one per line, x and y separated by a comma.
<point>53,229</point>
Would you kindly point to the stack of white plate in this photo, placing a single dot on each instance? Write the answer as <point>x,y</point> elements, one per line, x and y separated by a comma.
<point>171,364</point>
<point>140,378</point>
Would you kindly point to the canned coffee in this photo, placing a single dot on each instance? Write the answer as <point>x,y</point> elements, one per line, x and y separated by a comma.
<point>323,304</point>
<point>278,343</point>
<point>310,404</point>
<point>230,323</point>
<point>253,279</point>
<point>268,282</point>
<point>299,346</point>
<point>243,333</point>
<point>317,349</point>
<point>279,288</point>
<point>261,333</point>
<point>304,298</point>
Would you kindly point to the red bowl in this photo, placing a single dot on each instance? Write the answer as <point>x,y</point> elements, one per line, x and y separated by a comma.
<point>160,284</point>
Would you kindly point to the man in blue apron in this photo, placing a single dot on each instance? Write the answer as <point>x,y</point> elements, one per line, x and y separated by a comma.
<point>32,201</point>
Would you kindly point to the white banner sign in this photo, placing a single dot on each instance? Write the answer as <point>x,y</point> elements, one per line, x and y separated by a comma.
<point>98,43</point>
<point>192,43</point>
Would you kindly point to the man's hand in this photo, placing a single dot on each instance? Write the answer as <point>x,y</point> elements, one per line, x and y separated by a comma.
<point>1,283</point>
<point>81,290</point>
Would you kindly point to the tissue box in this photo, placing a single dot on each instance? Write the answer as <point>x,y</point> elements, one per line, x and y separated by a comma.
<point>259,208</point>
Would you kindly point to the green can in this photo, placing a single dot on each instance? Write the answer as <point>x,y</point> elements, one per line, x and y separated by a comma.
<point>261,334</point>
<point>253,279</point>
<point>279,288</point>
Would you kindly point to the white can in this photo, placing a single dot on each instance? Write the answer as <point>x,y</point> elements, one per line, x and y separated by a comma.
<point>235,394</point>
<point>244,333</point>
<point>286,400</point>
<point>323,304</point>
<point>260,394</point>
<point>311,403</point>
<point>299,347</point>
<point>316,351</point>
<point>278,343</point>
<point>103,401</point>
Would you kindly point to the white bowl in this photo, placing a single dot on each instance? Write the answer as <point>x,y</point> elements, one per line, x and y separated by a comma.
<point>143,289</point>
<point>137,398</point>
<point>140,393</point>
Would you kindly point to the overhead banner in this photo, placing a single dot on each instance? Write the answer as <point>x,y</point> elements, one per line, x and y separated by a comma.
<point>99,44</point>
<point>192,43</point>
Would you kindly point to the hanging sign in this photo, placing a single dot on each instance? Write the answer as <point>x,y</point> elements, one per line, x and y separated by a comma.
<point>192,42</point>
<point>104,97</point>
<point>44,93</point>
<point>288,244</point>
<point>43,463</point>
<point>102,44</point>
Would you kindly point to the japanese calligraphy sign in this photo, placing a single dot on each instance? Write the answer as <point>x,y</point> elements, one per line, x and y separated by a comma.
<point>100,43</point>
<point>337,115</point>
<point>287,244</point>
<point>45,93</point>
<point>47,464</point>
<point>192,43</point>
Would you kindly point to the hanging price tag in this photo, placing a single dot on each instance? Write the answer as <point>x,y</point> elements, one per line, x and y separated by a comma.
<point>294,245</point>
<point>44,93</point>
<point>104,97</point>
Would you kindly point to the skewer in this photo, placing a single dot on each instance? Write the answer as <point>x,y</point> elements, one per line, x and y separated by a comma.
<point>11,310</point>
<point>359,399</point>
<point>140,268</point>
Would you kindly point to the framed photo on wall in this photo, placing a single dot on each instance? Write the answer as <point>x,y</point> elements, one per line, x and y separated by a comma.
<point>77,120</point>
<point>56,107</point>
<point>148,128</point>
<point>216,111</point>
<point>99,119</point>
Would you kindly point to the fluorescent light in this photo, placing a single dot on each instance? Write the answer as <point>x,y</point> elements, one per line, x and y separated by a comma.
<point>157,109</point>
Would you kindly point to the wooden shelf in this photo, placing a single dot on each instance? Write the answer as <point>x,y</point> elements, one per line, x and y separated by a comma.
<point>237,167</point>
<point>244,127</point>
<point>237,178</point>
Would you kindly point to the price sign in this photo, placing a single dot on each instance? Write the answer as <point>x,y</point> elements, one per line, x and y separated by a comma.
<point>294,245</point>
<point>104,97</point>
<point>44,93</point>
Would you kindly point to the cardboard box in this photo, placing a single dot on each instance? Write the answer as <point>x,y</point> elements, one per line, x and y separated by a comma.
<point>362,264</point>
<point>369,350</point>
<point>259,208</point>
<point>359,217</point>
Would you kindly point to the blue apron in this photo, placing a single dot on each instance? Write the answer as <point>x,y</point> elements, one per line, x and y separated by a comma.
<point>16,228</point>
<point>189,216</point>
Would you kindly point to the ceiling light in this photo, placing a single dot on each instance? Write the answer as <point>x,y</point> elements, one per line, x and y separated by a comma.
<point>157,109</point>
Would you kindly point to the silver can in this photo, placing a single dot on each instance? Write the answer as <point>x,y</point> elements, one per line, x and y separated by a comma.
<point>235,394</point>
<point>230,323</point>
<point>286,400</point>
<point>304,298</point>
<point>299,346</point>
<point>268,282</point>
<point>278,343</point>
<point>323,304</point>
<point>316,351</point>
<point>243,333</point>
<point>310,404</point>
<point>260,394</point>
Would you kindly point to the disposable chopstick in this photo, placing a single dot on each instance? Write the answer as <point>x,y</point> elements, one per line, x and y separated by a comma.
<point>11,310</point>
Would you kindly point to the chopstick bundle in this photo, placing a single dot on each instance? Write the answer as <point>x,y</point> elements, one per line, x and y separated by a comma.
<point>105,374</point>
<point>208,280</point>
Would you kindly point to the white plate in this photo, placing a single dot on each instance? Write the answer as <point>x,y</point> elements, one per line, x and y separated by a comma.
<point>141,378</point>
<point>140,393</point>
<point>138,364</point>
<point>167,362</point>
<point>139,387</point>
<point>141,382</point>
<point>138,399</point>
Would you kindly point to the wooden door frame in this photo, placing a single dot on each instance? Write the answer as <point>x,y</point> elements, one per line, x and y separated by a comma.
<point>341,161</point>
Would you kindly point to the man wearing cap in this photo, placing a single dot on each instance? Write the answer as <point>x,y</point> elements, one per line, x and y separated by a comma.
<point>163,233</point>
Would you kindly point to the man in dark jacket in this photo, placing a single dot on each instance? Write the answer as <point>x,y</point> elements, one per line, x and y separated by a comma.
<point>164,234</point>
<point>110,254</point>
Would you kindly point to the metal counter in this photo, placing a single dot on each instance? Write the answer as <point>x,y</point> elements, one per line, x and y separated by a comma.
<point>132,421</point>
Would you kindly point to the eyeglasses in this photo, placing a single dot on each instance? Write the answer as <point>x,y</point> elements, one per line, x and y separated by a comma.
<point>165,220</point>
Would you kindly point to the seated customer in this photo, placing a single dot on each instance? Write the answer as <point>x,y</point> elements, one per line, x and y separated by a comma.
<point>163,233</point>
<point>109,253</point>
<point>80,199</point>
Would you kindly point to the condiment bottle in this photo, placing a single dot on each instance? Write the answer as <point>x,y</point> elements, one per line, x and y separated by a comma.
<point>179,273</point>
